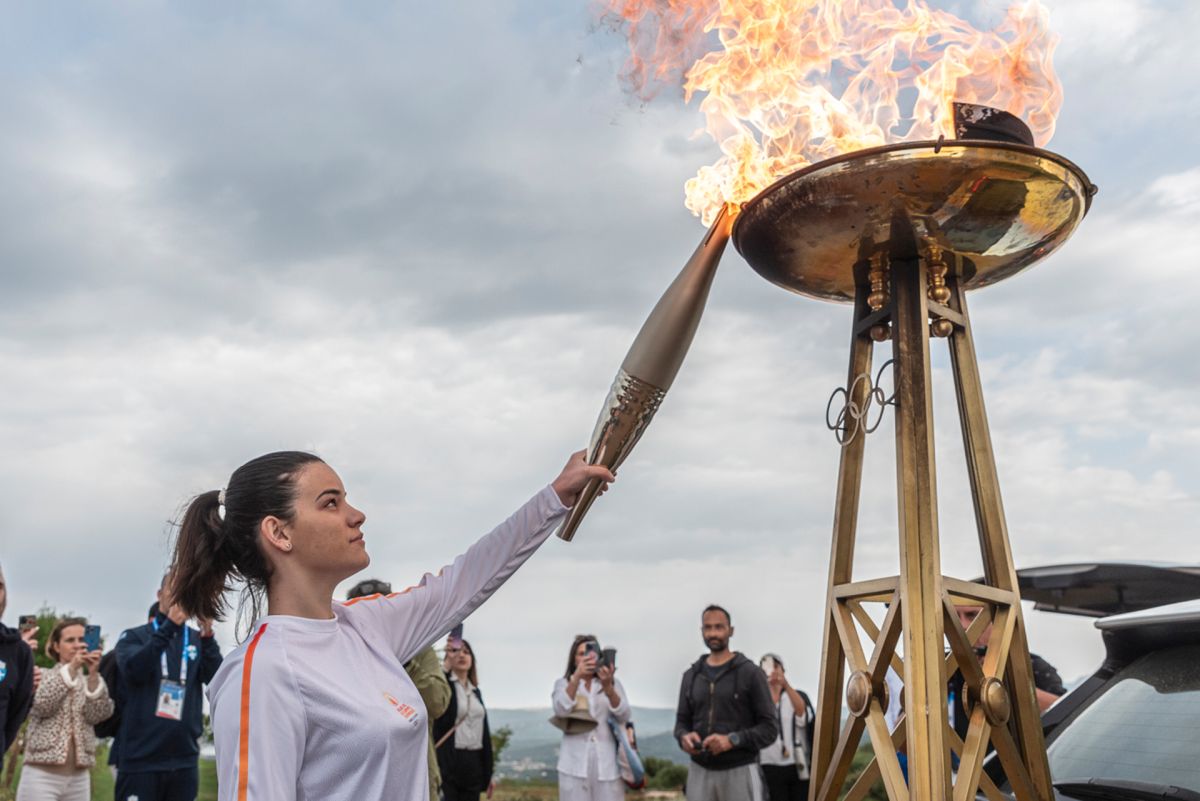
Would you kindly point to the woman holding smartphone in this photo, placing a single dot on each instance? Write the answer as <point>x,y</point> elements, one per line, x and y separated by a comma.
<point>583,700</point>
<point>60,745</point>
<point>462,734</point>
<point>316,704</point>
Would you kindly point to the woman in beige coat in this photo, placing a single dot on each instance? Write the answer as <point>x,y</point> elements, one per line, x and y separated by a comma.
<point>60,746</point>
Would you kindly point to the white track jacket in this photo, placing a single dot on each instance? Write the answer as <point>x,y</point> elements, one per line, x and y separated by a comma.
<point>322,709</point>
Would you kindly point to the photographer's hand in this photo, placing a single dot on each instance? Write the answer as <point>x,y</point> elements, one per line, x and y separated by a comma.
<point>29,635</point>
<point>690,743</point>
<point>605,674</point>
<point>91,660</point>
<point>176,615</point>
<point>584,669</point>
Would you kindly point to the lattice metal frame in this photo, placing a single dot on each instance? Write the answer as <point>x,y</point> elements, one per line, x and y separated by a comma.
<point>925,300</point>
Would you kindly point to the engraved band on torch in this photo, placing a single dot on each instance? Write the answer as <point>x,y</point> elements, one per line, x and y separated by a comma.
<point>652,363</point>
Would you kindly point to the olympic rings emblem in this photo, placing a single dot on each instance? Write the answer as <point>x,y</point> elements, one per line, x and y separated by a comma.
<point>851,418</point>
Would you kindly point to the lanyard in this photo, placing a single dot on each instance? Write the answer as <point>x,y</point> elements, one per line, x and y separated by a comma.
<point>183,657</point>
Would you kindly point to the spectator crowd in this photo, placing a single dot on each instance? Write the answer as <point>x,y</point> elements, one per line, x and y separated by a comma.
<point>747,732</point>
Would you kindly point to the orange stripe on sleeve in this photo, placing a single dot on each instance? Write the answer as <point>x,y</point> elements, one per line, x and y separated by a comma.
<point>375,596</point>
<point>244,737</point>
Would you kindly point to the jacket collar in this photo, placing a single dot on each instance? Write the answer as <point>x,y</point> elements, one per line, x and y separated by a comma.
<point>738,659</point>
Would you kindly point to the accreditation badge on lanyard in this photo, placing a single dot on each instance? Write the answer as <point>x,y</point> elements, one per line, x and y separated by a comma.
<point>170,693</point>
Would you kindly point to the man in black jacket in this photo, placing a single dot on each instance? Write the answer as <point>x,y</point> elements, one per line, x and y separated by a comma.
<point>16,677</point>
<point>724,718</point>
<point>163,666</point>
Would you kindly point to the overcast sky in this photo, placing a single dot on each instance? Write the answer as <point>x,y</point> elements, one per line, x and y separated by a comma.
<point>418,239</point>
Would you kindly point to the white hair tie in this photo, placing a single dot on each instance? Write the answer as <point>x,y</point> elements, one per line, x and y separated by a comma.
<point>221,503</point>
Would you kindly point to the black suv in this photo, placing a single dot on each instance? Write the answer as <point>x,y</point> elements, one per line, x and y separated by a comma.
<point>1130,731</point>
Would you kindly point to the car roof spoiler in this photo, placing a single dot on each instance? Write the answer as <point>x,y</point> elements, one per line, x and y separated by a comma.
<point>1097,589</point>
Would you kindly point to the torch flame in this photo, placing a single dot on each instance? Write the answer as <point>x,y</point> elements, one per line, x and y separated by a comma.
<point>797,81</point>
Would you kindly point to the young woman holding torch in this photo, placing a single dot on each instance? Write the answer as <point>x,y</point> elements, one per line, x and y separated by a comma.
<point>316,703</point>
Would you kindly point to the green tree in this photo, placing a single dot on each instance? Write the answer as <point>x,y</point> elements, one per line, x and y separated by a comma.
<point>47,619</point>
<point>500,738</point>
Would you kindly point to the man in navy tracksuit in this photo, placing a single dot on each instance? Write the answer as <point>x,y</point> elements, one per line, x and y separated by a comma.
<point>163,666</point>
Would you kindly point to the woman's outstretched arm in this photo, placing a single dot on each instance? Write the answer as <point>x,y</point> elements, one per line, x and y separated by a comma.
<point>414,618</point>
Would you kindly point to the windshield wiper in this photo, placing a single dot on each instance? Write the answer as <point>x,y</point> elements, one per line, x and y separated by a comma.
<point>1124,790</point>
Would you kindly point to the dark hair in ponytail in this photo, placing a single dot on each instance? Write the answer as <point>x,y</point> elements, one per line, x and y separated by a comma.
<point>211,551</point>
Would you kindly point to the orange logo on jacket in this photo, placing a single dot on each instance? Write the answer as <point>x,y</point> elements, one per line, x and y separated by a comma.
<point>407,711</point>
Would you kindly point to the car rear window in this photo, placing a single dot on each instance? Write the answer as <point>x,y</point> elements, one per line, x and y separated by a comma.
<point>1143,727</point>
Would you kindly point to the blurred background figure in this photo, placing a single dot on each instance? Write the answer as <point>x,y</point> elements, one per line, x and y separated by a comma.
<point>462,735</point>
<point>583,699</point>
<point>110,672</point>
<point>16,673</point>
<point>785,762</point>
<point>60,746</point>
<point>1048,685</point>
<point>162,667</point>
<point>425,673</point>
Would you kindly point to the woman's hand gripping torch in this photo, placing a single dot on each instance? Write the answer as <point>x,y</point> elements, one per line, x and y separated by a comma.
<point>651,364</point>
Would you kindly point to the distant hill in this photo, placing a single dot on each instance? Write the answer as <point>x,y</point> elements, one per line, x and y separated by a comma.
<point>533,749</point>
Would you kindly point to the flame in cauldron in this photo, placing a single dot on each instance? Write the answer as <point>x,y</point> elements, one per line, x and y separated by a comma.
<point>789,82</point>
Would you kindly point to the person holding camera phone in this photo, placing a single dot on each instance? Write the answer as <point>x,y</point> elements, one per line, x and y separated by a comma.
<point>583,700</point>
<point>60,745</point>
<point>785,762</point>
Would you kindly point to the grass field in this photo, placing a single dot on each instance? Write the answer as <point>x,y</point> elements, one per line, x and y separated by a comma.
<point>509,790</point>
<point>102,780</point>
<point>102,786</point>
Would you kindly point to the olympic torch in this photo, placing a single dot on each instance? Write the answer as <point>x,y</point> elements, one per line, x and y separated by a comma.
<point>651,364</point>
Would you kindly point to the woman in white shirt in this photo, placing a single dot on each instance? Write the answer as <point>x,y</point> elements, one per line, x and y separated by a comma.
<point>462,734</point>
<point>785,761</point>
<point>317,704</point>
<point>587,759</point>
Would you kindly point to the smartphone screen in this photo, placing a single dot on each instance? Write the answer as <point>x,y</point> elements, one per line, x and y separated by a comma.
<point>91,638</point>
<point>26,622</point>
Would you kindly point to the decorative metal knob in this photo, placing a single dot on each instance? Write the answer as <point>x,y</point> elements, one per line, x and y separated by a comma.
<point>858,693</point>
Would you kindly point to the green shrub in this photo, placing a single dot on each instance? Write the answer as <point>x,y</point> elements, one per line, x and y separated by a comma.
<point>663,774</point>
